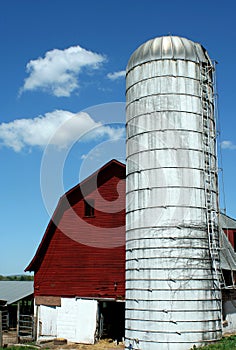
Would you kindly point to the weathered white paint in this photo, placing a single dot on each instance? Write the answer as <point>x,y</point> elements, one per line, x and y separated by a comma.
<point>86,321</point>
<point>75,320</point>
<point>66,321</point>
<point>172,295</point>
<point>229,310</point>
<point>47,320</point>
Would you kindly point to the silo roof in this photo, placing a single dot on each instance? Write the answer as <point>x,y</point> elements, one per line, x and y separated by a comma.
<point>168,47</point>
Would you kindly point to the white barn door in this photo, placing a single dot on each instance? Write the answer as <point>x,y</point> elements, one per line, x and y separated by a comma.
<point>87,321</point>
<point>47,321</point>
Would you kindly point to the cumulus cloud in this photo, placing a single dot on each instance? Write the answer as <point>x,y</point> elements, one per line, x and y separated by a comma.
<point>228,145</point>
<point>59,128</point>
<point>57,72</point>
<point>116,75</point>
<point>112,133</point>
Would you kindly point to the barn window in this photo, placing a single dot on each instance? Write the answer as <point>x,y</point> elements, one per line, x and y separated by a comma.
<point>89,207</point>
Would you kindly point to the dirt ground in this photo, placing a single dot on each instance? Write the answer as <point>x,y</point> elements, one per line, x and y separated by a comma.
<point>101,345</point>
<point>107,344</point>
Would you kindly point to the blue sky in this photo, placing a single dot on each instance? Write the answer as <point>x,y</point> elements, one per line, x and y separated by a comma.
<point>66,58</point>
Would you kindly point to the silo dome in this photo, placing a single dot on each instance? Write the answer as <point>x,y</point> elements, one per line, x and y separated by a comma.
<point>168,47</point>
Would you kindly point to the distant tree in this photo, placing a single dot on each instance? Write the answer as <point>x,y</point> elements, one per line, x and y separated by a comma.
<point>17,278</point>
<point>26,278</point>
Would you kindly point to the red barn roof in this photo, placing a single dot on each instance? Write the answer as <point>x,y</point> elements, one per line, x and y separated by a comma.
<point>83,253</point>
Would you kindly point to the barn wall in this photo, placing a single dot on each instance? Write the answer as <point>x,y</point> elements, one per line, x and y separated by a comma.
<point>75,320</point>
<point>86,255</point>
<point>230,234</point>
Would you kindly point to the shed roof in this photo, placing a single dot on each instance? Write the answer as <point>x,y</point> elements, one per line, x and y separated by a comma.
<point>12,291</point>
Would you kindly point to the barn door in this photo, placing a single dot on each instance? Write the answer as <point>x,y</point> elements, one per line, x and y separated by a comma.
<point>86,323</point>
<point>48,321</point>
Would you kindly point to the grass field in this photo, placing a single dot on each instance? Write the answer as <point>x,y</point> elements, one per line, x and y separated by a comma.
<point>227,343</point>
<point>18,348</point>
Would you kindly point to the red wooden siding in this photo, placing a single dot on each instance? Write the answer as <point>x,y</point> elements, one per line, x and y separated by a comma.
<point>85,256</point>
<point>231,234</point>
<point>73,269</point>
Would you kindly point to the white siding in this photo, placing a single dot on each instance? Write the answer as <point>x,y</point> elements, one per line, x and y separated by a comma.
<point>75,320</point>
<point>229,308</point>
<point>47,320</point>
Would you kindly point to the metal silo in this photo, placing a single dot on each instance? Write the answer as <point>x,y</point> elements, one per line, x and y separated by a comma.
<point>173,279</point>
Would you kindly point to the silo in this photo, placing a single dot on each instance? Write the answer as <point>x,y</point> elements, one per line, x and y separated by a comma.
<point>173,298</point>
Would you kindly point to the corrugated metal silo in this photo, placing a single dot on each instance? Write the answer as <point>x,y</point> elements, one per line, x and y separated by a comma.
<point>173,297</point>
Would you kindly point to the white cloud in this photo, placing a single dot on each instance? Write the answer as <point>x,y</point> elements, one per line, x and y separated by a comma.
<point>228,145</point>
<point>57,72</point>
<point>116,75</point>
<point>109,131</point>
<point>59,128</point>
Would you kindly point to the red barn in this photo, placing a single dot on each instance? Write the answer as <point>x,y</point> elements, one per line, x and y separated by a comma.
<point>228,256</point>
<point>80,263</point>
<point>229,226</point>
<point>79,267</point>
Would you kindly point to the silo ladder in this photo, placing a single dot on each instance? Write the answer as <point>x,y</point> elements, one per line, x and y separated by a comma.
<point>210,171</point>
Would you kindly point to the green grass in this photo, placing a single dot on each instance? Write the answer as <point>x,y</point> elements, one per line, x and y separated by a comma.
<point>227,343</point>
<point>26,346</point>
<point>18,348</point>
